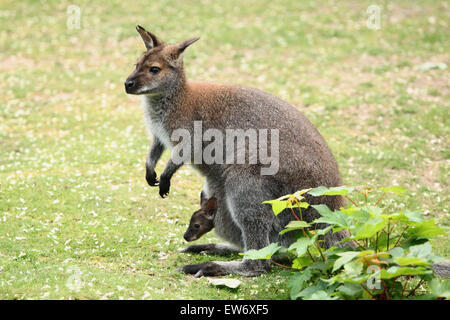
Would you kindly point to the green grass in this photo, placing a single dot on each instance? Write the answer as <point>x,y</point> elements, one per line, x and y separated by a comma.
<point>73,198</point>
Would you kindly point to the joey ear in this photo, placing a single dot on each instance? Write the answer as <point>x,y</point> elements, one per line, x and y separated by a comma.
<point>202,198</point>
<point>150,40</point>
<point>211,207</point>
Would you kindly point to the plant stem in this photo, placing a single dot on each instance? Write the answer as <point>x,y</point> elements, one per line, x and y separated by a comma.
<point>417,287</point>
<point>404,287</point>
<point>299,208</point>
<point>367,290</point>
<point>388,234</point>
<point>395,245</point>
<point>282,265</point>
<point>376,243</point>
<point>376,203</point>
<point>293,212</point>
<point>392,288</point>
<point>351,201</point>
<point>357,242</point>
<point>403,242</point>
<point>310,255</point>
<point>384,293</point>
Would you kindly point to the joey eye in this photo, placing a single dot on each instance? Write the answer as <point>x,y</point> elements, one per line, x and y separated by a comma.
<point>196,226</point>
<point>154,70</point>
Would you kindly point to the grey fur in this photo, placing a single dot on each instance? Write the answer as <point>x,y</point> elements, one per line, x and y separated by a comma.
<point>242,219</point>
<point>170,102</point>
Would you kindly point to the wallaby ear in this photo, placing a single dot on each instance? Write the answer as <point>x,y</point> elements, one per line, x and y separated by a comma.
<point>202,198</point>
<point>180,47</point>
<point>186,43</point>
<point>211,207</point>
<point>150,40</point>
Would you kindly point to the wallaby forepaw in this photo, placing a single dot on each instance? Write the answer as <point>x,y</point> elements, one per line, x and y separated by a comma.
<point>150,176</point>
<point>164,187</point>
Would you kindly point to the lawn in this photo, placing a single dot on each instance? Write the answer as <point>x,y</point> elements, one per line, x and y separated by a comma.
<point>77,218</point>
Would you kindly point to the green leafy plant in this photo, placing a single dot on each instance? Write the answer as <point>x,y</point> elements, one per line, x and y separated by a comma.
<point>387,255</point>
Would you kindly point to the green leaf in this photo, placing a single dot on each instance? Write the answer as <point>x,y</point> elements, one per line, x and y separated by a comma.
<point>295,225</point>
<point>357,215</point>
<point>332,217</point>
<point>395,189</point>
<point>372,210</point>
<point>353,269</point>
<point>319,295</point>
<point>298,194</point>
<point>315,292</point>
<point>440,287</point>
<point>370,228</point>
<point>264,253</point>
<point>414,216</point>
<point>230,283</point>
<point>425,229</point>
<point>344,258</point>
<point>395,271</point>
<point>396,252</point>
<point>321,232</point>
<point>405,261</point>
<point>351,290</point>
<point>301,262</point>
<point>334,191</point>
<point>301,245</point>
<point>295,205</point>
<point>298,282</point>
<point>287,202</point>
<point>277,205</point>
<point>422,251</point>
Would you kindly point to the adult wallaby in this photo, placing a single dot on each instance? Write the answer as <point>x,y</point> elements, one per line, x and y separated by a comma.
<point>303,160</point>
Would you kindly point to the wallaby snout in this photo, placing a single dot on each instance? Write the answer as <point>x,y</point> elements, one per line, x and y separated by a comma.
<point>130,86</point>
<point>189,237</point>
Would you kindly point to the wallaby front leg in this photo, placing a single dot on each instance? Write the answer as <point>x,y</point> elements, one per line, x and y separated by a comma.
<point>154,154</point>
<point>169,171</point>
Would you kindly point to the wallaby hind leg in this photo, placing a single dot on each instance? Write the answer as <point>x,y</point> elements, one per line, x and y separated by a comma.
<point>212,248</point>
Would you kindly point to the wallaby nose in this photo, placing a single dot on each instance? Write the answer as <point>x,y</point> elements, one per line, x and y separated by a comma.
<point>129,84</point>
<point>189,237</point>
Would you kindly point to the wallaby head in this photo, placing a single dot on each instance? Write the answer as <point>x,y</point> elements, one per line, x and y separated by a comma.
<point>160,68</point>
<point>202,221</point>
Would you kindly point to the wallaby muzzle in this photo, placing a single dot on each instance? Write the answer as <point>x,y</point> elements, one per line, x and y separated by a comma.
<point>131,86</point>
<point>189,238</point>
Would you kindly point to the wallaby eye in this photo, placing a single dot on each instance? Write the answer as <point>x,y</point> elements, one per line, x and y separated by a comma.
<point>196,226</point>
<point>154,70</point>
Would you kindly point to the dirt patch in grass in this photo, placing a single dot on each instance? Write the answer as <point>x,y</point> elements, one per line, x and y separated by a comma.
<point>16,62</point>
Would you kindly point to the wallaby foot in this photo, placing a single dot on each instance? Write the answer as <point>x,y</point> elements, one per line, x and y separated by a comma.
<point>247,268</point>
<point>211,248</point>
<point>150,176</point>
